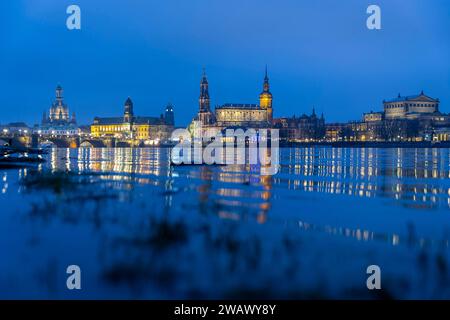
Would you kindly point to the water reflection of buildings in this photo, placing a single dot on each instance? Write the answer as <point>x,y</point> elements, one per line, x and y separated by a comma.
<point>410,239</point>
<point>126,160</point>
<point>8,178</point>
<point>417,177</point>
<point>414,178</point>
<point>234,192</point>
<point>4,182</point>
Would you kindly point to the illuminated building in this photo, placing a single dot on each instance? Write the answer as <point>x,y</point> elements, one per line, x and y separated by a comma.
<point>411,107</point>
<point>59,112</point>
<point>58,122</point>
<point>303,128</point>
<point>146,130</point>
<point>232,114</point>
<point>247,115</point>
<point>441,134</point>
<point>334,131</point>
<point>265,99</point>
<point>373,116</point>
<point>205,116</point>
<point>15,129</point>
<point>405,118</point>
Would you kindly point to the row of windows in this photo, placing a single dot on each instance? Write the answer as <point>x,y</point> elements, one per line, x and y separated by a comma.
<point>140,129</point>
<point>58,132</point>
<point>226,115</point>
<point>428,105</point>
<point>108,128</point>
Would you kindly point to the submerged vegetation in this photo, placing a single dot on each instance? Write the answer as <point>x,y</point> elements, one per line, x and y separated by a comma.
<point>56,182</point>
<point>192,254</point>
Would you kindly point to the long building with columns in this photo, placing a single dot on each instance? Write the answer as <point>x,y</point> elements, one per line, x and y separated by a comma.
<point>411,107</point>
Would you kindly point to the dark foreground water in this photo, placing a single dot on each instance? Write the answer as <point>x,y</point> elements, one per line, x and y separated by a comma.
<point>139,228</point>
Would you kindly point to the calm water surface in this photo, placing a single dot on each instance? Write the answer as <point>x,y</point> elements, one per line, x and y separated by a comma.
<point>140,228</point>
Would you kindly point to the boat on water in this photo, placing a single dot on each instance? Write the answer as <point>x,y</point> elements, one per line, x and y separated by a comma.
<point>13,157</point>
<point>22,150</point>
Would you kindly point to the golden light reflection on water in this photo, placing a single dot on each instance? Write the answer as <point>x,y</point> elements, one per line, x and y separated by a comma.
<point>126,160</point>
<point>412,178</point>
<point>416,177</point>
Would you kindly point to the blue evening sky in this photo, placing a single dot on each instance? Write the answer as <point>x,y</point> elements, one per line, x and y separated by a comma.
<point>319,53</point>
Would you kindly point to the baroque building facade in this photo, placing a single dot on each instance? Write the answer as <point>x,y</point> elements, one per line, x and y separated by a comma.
<point>411,107</point>
<point>233,114</point>
<point>404,118</point>
<point>134,129</point>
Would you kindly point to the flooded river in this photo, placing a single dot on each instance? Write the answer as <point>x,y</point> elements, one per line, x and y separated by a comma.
<point>140,228</point>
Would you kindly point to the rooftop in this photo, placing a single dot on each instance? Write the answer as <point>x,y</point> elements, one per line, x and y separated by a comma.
<point>420,96</point>
<point>238,106</point>
<point>120,120</point>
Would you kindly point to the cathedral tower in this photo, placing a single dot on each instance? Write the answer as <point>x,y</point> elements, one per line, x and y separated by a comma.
<point>265,98</point>
<point>169,117</point>
<point>205,115</point>
<point>128,112</point>
<point>204,101</point>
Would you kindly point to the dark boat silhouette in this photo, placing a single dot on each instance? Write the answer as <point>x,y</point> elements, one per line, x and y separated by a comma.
<point>12,157</point>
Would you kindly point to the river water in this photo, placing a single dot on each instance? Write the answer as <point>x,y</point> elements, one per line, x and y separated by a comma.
<point>140,228</point>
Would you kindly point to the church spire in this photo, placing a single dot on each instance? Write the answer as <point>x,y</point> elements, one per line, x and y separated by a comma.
<point>59,92</point>
<point>265,98</point>
<point>266,81</point>
<point>128,114</point>
<point>204,101</point>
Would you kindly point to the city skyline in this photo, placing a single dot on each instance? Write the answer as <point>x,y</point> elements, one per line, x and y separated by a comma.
<point>185,122</point>
<point>190,154</point>
<point>159,59</point>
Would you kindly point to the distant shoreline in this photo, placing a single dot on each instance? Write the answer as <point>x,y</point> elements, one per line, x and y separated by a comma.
<point>369,144</point>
